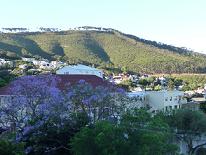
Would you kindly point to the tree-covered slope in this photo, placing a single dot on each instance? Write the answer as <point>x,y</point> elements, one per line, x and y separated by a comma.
<point>106,49</point>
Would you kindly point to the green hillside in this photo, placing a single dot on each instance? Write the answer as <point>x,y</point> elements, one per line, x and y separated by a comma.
<point>111,49</point>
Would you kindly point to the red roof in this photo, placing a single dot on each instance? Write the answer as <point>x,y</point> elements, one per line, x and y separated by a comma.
<point>65,80</point>
<point>72,79</point>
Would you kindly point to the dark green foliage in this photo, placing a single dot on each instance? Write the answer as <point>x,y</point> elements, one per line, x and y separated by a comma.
<point>138,133</point>
<point>126,84</point>
<point>203,107</point>
<point>190,81</point>
<point>188,126</point>
<point>5,77</point>
<point>52,139</point>
<point>9,148</point>
<point>125,52</point>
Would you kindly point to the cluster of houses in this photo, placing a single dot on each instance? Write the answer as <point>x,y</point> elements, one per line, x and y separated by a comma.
<point>41,64</point>
<point>156,100</point>
<point>6,63</point>
<point>163,100</point>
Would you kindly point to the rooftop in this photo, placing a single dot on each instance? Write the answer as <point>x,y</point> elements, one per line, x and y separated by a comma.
<point>64,81</point>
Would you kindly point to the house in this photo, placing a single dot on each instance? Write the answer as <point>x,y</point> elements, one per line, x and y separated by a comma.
<point>28,59</point>
<point>79,70</point>
<point>39,62</point>
<point>23,66</point>
<point>45,65</point>
<point>165,100</point>
<point>6,63</point>
<point>57,64</point>
<point>117,79</point>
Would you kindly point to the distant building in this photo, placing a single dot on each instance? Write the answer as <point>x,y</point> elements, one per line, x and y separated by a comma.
<point>28,59</point>
<point>165,100</point>
<point>57,64</point>
<point>6,64</point>
<point>79,70</point>
<point>23,66</point>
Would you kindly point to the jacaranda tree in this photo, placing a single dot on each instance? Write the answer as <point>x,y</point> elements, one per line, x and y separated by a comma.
<point>45,117</point>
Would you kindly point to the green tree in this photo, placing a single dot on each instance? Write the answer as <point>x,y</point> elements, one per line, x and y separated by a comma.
<point>171,84</point>
<point>9,148</point>
<point>189,125</point>
<point>138,133</point>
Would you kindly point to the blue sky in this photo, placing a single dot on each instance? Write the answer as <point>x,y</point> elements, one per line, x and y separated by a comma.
<point>177,22</point>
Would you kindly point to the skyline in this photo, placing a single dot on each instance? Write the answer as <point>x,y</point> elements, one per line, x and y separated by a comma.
<point>176,23</point>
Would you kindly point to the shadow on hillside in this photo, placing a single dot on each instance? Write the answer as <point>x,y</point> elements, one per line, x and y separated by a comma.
<point>11,48</point>
<point>31,46</point>
<point>95,48</point>
<point>57,49</point>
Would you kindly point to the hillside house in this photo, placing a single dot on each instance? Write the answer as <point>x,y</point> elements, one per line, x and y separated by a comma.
<point>6,64</point>
<point>28,59</point>
<point>79,70</point>
<point>23,66</point>
<point>57,64</point>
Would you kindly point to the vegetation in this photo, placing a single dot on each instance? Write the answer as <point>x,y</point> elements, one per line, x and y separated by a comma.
<point>189,81</point>
<point>108,49</point>
<point>135,135</point>
<point>5,77</point>
<point>188,126</point>
<point>41,119</point>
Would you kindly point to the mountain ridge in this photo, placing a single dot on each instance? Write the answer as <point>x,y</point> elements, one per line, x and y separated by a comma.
<point>109,48</point>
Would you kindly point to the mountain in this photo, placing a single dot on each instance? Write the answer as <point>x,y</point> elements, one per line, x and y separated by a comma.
<point>106,48</point>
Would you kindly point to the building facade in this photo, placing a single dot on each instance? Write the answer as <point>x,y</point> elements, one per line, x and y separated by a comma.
<point>165,100</point>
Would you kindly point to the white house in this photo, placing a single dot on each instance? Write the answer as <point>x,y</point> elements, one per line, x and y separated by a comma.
<point>57,64</point>
<point>28,59</point>
<point>4,63</point>
<point>39,62</point>
<point>45,65</point>
<point>23,66</point>
<point>165,100</point>
<point>117,79</point>
<point>80,70</point>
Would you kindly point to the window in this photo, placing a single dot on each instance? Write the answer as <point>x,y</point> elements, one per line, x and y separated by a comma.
<point>176,106</point>
<point>166,99</point>
<point>170,98</point>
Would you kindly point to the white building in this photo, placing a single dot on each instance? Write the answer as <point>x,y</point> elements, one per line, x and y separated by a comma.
<point>165,100</point>
<point>117,79</point>
<point>141,95</point>
<point>80,70</point>
<point>57,64</point>
<point>4,63</point>
<point>39,62</point>
<point>45,65</point>
<point>28,59</point>
<point>23,66</point>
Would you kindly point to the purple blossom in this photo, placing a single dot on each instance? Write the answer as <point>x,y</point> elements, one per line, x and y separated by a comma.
<point>86,101</point>
<point>27,130</point>
<point>28,150</point>
<point>120,90</point>
<point>82,81</point>
<point>93,98</point>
